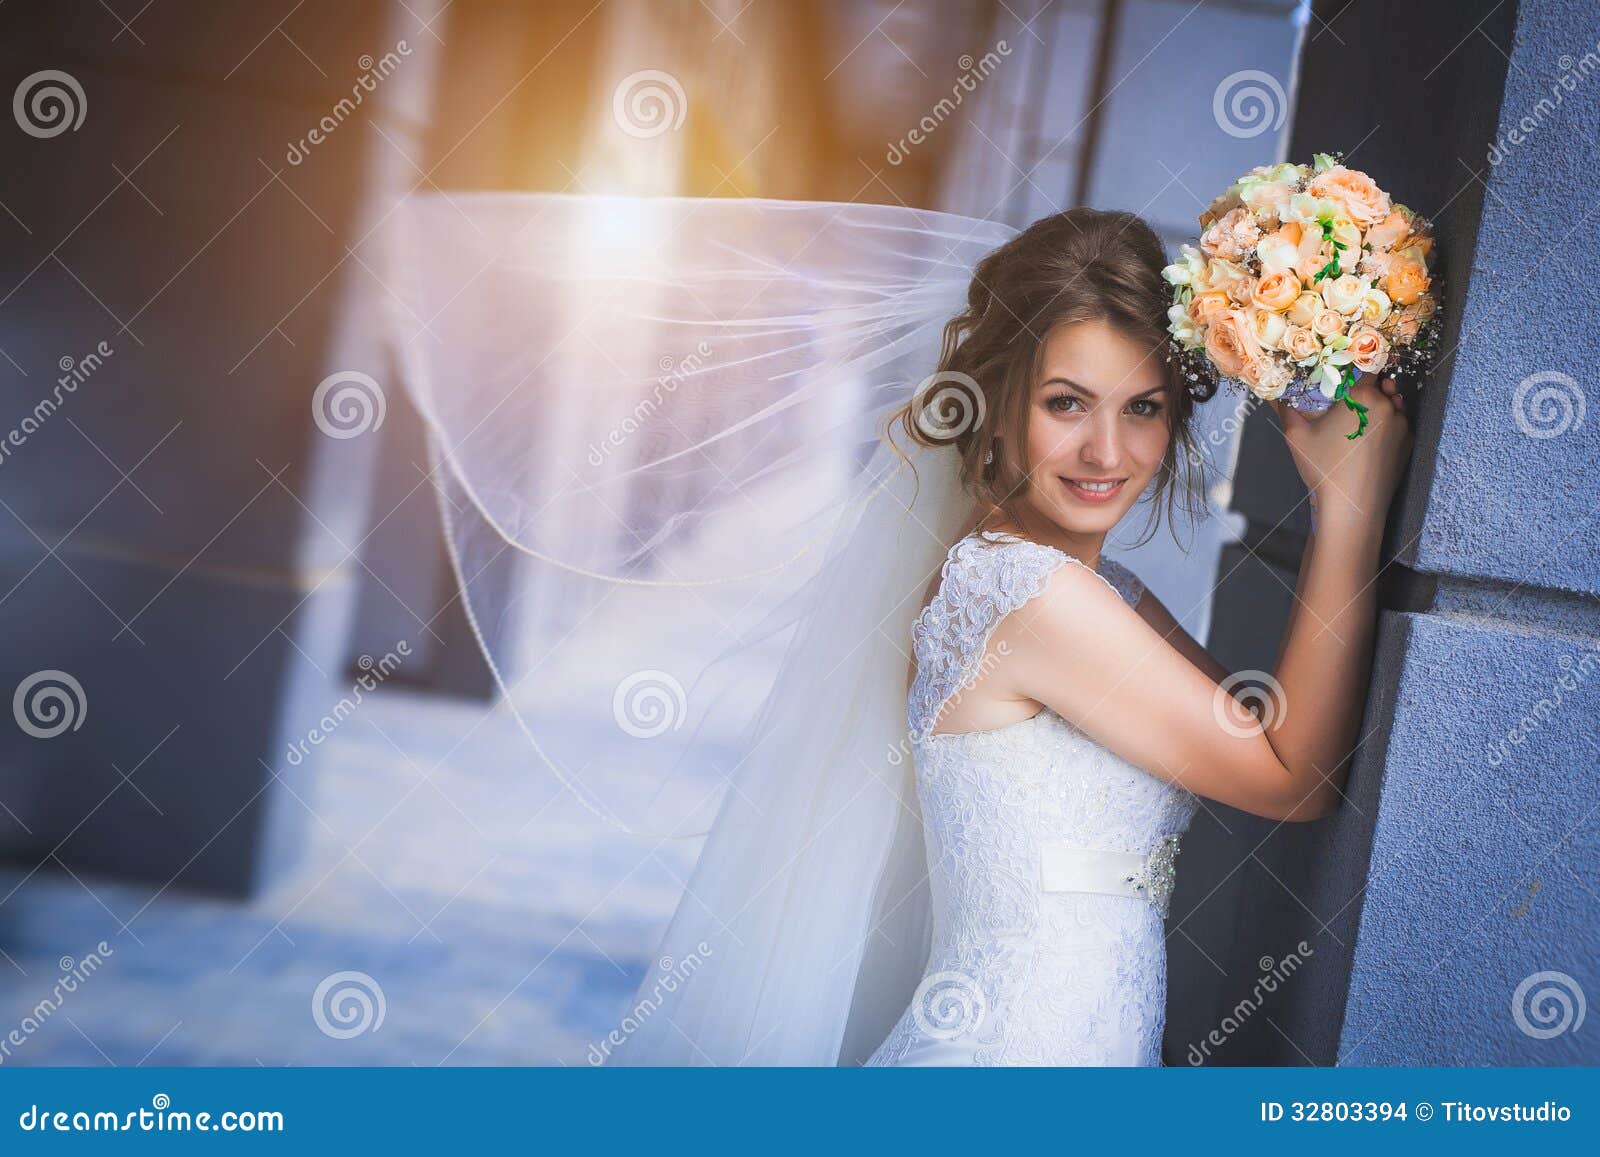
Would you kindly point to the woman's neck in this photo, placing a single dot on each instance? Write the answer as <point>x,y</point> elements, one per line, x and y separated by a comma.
<point>1026,524</point>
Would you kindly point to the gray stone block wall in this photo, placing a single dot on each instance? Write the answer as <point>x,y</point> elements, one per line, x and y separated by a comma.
<point>176,532</point>
<point>1452,902</point>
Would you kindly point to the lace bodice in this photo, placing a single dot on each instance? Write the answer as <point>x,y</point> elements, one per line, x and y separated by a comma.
<point>1031,976</point>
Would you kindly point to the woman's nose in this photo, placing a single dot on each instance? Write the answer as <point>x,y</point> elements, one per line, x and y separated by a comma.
<point>1102,449</point>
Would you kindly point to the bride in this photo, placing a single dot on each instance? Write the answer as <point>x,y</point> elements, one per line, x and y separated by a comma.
<point>950,826</point>
<point>1064,726</point>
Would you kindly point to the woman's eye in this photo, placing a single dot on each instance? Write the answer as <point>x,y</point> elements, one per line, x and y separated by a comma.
<point>1146,408</point>
<point>1062,403</point>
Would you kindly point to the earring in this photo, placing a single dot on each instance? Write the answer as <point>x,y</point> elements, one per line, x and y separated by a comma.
<point>988,459</point>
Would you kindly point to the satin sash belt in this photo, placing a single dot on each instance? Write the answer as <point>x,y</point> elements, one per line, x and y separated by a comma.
<point>1112,873</point>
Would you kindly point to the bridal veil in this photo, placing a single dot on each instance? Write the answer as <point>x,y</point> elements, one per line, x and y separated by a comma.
<point>657,435</point>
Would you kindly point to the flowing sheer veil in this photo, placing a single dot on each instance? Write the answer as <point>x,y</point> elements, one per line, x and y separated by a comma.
<point>657,433</point>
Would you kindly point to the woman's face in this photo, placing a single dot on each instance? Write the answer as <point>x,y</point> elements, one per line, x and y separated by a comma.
<point>1097,427</point>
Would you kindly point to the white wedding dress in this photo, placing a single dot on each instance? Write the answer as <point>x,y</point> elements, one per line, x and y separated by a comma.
<point>662,421</point>
<point>1050,858</point>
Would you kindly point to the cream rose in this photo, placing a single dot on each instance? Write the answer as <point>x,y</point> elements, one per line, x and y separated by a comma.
<point>1343,294</point>
<point>1280,249</point>
<point>1304,308</point>
<point>1355,193</point>
<point>1368,349</point>
<point>1266,195</point>
<point>1268,327</point>
<point>1375,305</point>
<point>1230,344</point>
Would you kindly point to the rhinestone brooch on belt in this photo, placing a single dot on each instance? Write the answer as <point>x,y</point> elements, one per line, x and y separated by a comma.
<point>1158,875</point>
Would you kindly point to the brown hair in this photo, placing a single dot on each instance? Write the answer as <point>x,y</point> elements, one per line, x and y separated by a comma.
<point>1079,265</point>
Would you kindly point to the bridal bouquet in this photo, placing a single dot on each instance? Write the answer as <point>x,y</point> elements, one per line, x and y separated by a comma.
<point>1305,277</point>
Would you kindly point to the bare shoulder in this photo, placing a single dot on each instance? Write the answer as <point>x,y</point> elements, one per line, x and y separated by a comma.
<point>1076,614</point>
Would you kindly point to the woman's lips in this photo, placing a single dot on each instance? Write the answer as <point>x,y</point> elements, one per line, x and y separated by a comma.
<point>1090,490</point>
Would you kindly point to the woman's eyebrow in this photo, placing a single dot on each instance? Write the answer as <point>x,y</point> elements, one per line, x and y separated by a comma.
<point>1082,389</point>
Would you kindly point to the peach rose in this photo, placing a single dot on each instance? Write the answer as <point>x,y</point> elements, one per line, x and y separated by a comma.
<point>1300,343</point>
<point>1231,237</point>
<point>1406,282</point>
<point>1205,307</point>
<point>1368,349</point>
<point>1352,191</point>
<point>1312,263</point>
<point>1406,327</point>
<point>1327,323</point>
<point>1268,378</point>
<point>1276,291</point>
<point>1425,306</point>
<point>1387,232</point>
<point>1230,344</point>
<point>1377,265</point>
